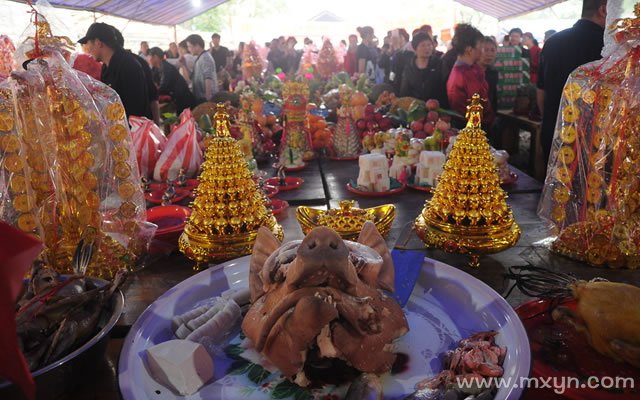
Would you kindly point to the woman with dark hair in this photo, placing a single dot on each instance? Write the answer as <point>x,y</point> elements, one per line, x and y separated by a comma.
<point>467,77</point>
<point>534,55</point>
<point>351,57</point>
<point>172,53</point>
<point>422,77</point>
<point>185,61</point>
<point>367,54</point>
<point>236,65</point>
<point>292,56</point>
<point>488,59</point>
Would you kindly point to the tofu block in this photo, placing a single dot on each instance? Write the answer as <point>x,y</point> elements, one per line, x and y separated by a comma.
<point>180,365</point>
<point>434,174</point>
<point>398,165</point>
<point>380,180</point>
<point>432,158</point>
<point>369,161</point>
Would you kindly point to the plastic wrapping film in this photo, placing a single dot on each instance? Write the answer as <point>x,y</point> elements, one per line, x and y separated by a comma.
<point>7,49</point>
<point>591,195</point>
<point>69,169</point>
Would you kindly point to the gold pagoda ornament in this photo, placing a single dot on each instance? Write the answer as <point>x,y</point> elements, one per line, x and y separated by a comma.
<point>468,213</point>
<point>228,209</point>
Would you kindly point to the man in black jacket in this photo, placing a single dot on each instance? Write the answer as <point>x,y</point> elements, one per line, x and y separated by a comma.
<point>152,90</point>
<point>561,54</point>
<point>122,71</point>
<point>171,82</point>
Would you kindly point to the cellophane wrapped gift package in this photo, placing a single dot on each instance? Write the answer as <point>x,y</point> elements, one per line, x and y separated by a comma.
<point>6,56</point>
<point>148,142</point>
<point>591,196</point>
<point>181,152</point>
<point>67,163</point>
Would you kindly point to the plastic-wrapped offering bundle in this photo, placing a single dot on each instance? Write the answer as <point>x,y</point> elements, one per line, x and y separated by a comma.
<point>6,56</point>
<point>68,168</point>
<point>148,143</point>
<point>181,151</point>
<point>592,191</point>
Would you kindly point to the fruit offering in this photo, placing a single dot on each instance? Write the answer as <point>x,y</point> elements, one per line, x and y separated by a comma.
<point>327,60</point>
<point>372,121</point>
<point>386,98</point>
<point>321,133</point>
<point>251,62</point>
<point>346,140</point>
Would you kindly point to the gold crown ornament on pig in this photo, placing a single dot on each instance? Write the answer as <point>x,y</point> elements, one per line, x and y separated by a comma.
<point>323,295</point>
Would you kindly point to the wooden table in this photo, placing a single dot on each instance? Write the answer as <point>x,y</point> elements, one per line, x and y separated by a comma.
<point>509,135</point>
<point>163,272</point>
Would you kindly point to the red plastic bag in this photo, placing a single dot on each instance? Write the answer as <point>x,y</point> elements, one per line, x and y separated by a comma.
<point>148,142</point>
<point>181,151</point>
<point>17,252</point>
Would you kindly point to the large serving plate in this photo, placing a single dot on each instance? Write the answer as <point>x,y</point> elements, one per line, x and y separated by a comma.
<point>445,306</point>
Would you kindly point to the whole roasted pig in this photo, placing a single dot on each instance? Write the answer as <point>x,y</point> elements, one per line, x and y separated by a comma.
<point>319,300</point>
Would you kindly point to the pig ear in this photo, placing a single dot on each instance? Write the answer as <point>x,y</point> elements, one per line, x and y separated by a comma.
<point>266,243</point>
<point>369,236</point>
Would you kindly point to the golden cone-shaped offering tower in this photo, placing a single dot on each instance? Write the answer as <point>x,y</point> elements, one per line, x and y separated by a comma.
<point>228,209</point>
<point>468,213</point>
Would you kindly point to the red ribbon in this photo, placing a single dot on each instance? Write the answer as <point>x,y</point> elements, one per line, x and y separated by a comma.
<point>34,18</point>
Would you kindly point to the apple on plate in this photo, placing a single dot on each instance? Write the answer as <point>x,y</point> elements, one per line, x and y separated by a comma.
<point>420,134</point>
<point>432,116</point>
<point>369,109</point>
<point>432,104</point>
<point>443,126</point>
<point>385,123</point>
<point>417,126</point>
<point>429,128</point>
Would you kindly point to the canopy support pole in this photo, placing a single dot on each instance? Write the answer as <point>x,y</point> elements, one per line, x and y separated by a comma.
<point>175,34</point>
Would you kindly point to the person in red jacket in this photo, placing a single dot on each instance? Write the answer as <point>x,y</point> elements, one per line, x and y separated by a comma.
<point>350,57</point>
<point>534,55</point>
<point>86,63</point>
<point>467,76</point>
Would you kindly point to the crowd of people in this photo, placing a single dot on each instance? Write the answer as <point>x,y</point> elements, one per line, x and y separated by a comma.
<point>190,72</point>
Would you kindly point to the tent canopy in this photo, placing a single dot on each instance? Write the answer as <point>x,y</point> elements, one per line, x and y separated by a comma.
<point>173,12</point>
<point>503,9</point>
<point>161,12</point>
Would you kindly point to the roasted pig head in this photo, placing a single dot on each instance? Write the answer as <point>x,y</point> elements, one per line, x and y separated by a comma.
<point>323,294</point>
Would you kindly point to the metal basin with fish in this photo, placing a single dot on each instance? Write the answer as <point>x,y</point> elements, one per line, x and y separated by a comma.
<point>63,375</point>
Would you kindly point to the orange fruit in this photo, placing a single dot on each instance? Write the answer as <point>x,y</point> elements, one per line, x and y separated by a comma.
<point>324,133</point>
<point>262,120</point>
<point>321,124</point>
<point>359,99</point>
